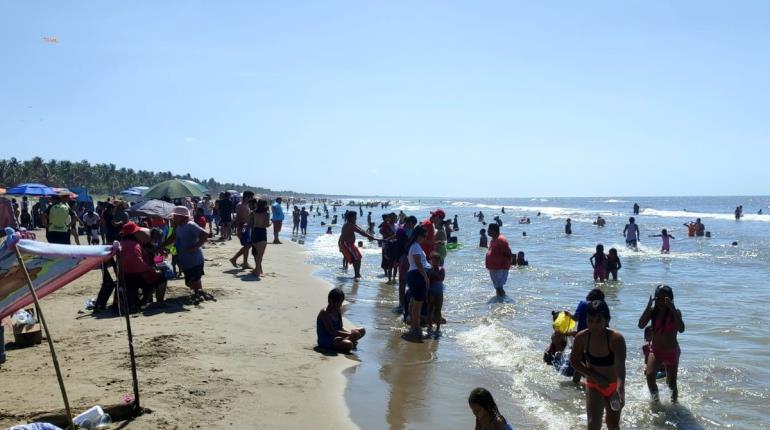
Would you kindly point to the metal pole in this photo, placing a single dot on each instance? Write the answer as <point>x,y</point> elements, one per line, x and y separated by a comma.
<point>123,299</point>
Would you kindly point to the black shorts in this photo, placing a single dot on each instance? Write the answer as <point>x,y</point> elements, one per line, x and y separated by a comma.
<point>61,237</point>
<point>417,286</point>
<point>193,274</point>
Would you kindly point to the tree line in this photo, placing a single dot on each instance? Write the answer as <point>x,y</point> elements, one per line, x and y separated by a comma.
<point>106,179</point>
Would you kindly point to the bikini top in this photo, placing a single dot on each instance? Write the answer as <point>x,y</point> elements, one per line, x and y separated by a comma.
<point>607,360</point>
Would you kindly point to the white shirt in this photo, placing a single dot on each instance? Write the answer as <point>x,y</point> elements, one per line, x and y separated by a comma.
<point>416,249</point>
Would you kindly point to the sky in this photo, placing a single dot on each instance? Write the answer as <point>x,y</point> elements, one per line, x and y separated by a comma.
<point>431,98</point>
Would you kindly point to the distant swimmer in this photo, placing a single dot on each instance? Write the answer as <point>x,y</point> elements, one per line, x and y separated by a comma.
<point>631,232</point>
<point>483,238</point>
<point>636,208</point>
<point>568,227</point>
<point>503,209</point>
<point>521,260</point>
<point>760,212</point>
<point>600,222</point>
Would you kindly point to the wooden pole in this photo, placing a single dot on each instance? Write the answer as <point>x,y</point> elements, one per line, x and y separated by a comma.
<point>48,337</point>
<point>123,300</point>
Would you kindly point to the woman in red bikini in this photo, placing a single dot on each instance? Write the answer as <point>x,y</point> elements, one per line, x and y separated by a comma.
<point>664,350</point>
<point>599,353</point>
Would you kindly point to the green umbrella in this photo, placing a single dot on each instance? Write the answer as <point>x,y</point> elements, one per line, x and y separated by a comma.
<point>197,185</point>
<point>173,189</point>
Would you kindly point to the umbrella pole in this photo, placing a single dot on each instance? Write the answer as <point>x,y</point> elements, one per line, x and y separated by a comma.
<point>48,337</point>
<point>123,298</point>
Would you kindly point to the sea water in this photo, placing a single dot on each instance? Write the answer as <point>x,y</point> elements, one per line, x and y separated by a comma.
<point>721,289</point>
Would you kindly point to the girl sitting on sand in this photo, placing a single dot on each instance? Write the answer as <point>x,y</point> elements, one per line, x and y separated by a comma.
<point>331,334</point>
<point>485,410</point>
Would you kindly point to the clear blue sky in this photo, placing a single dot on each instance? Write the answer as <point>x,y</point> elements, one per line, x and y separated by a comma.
<point>443,98</point>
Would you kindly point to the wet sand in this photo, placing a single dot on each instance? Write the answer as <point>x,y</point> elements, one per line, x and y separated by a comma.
<point>246,361</point>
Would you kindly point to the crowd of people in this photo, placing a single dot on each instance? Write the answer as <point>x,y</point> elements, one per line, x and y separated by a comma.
<point>414,252</point>
<point>413,255</point>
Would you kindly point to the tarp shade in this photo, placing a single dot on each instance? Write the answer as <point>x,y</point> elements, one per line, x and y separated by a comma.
<point>51,266</point>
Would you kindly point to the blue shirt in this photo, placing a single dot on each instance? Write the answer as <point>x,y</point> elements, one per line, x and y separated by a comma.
<point>277,210</point>
<point>580,315</point>
<point>186,236</point>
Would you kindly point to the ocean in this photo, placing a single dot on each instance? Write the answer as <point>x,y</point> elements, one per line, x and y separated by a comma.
<point>724,379</point>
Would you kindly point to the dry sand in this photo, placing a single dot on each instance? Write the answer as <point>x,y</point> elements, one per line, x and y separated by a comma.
<point>244,362</point>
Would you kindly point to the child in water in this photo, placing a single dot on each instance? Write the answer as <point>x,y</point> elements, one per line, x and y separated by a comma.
<point>435,293</point>
<point>521,260</point>
<point>646,348</point>
<point>599,263</point>
<point>331,334</point>
<point>484,408</point>
<point>483,238</point>
<point>666,247</point>
<point>613,264</point>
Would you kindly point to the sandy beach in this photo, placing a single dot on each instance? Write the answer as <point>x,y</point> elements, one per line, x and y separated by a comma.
<point>246,361</point>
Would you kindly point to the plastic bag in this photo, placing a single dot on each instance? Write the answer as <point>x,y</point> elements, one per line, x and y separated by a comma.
<point>22,318</point>
<point>165,267</point>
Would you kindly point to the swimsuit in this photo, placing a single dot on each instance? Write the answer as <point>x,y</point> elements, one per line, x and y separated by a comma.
<point>666,357</point>
<point>605,361</point>
<point>350,251</point>
<point>666,244</point>
<point>325,339</point>
<point>259,234</point>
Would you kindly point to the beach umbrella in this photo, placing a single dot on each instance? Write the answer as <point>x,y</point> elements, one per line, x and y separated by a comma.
<point>173,189</point>
<point>31,190</point>
<point>133,191</point>
<point>64,192</point>
<point>153,208</point>
<point>197,185</point>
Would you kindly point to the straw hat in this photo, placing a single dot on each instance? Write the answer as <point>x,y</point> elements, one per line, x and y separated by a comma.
<point>181,211</point>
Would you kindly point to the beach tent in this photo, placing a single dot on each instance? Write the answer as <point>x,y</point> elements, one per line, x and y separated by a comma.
<point>174,189</point>
<point>31,190</point>
<point>83,196</point>
<point>153,208</point>
<point>30,270</point>
<point>133,194</point>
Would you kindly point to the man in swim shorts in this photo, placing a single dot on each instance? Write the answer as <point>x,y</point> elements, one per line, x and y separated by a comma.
<point>347,242</point>
<point>631,232</point>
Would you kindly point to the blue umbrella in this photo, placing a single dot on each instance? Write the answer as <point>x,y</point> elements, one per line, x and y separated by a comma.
<point>31,190</point>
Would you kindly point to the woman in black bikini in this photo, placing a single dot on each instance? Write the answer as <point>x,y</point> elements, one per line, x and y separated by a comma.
<point>599,353</point>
